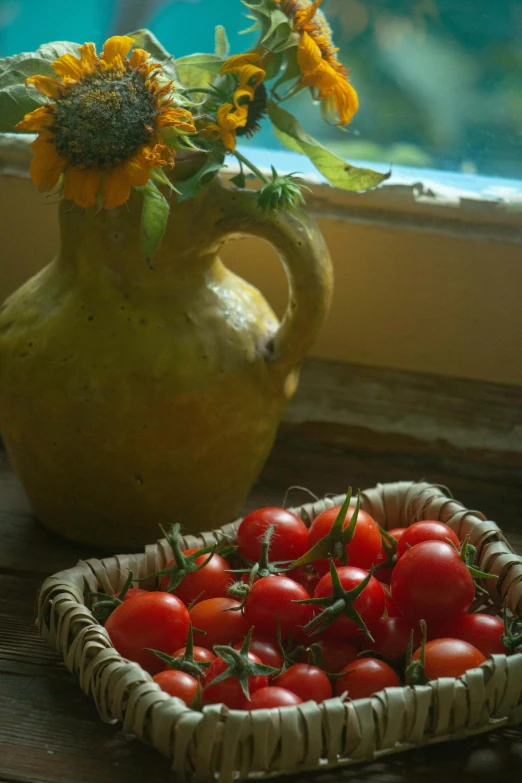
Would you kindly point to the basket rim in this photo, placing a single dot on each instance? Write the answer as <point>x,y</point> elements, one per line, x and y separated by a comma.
<point>124,691</point>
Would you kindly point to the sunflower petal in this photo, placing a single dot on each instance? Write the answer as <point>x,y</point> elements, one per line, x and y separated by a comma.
<point>81,186</point>
<point>46,165</point>
<point>305,16</point>
<point>46,85</point>
<point>138,57</point>
<point>36,120</point>
<point>88,56</point>
<point>137,167</point>
<point>176,118</point>
<point>116,188</point>
<point>68,66</point>
<point>309,56</point>
<point>117,46</point>
<point>238,61</point>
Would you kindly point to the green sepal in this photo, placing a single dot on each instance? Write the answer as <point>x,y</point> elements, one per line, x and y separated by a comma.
<point>160,178</point>
<point>239,664</point>
<point>199,70</point>
<point>415,673</point>
<point>154,218</point>
<point>282,192</point>
<point>339,604</point>
<point>336,170</point>
<point>222,46</point>
<point>333,544</point>
<point>186,663</point>
<point>106,604</point>
<point>183,564</point>
<point>512,637</point>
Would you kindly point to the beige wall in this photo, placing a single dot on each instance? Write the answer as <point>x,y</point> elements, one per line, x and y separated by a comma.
<point>428,297</point>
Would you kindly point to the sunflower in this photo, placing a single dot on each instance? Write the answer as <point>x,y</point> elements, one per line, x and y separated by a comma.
<point>102,128</point>
<point>240,118</point>
<point>318,63</point>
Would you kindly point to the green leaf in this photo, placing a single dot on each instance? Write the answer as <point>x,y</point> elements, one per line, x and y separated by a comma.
<point>277,32</point>
<point>16,99</point>
<point>336,170</point>
<point>144,39</point>
<point>190,187</point>
<point>199,70</point>
<point>222,44</point>
<point>154,217</point>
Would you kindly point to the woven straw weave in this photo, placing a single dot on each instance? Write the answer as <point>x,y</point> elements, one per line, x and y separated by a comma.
<point>232,744</point>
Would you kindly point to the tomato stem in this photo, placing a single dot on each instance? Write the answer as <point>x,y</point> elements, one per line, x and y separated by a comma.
<point>182,564</point>
<point>239,664</point>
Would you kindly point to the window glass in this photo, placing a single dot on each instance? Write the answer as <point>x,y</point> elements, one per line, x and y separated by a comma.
<point>440,81</point>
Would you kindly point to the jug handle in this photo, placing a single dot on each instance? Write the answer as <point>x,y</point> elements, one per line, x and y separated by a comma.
<point>304,256</point>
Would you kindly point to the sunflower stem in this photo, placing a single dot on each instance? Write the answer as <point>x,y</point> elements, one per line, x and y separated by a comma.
<point>241,158</point>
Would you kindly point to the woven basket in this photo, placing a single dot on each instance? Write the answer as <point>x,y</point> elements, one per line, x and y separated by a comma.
<point>232,744</point>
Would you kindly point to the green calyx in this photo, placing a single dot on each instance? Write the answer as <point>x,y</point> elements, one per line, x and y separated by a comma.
<point>106,604</point>
<point>186,663</point>
<point>182,564</point>
<point>389,545</point>
<point>512,637</point>
<point>290,652</point>
<point>281,192</point>
<point>239,664</point>
<point>415,670</point>
<point>333,544</point>
<point>259,570</point>
<point>339,604</point>
<point>467,554</point>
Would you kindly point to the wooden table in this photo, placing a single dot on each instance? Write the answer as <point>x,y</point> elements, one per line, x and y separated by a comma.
<point>50,731</point>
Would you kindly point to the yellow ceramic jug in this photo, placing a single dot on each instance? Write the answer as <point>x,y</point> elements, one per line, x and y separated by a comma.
<point>132,397</point>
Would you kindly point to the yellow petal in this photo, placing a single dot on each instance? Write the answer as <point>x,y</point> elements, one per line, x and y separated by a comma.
<point>229,140</point>
<point>68,66</point>
<point>81,186</point>
<point>88,56</point>
<point>138,57</point>
<point>46,166</point>
<point>176,118</point>
<point>116,188</point>
<point>309,56</point>
<point>229,119</point>
<point>46,85</point>
<point>251,75</point>
<point>243,92</point>
<point>212,131</point>
<point>238,61</point>
<point>137,167</point>
<point>36,120</point>
<point>117,46</point>
<point>346,102</point>
<point>305,16</point>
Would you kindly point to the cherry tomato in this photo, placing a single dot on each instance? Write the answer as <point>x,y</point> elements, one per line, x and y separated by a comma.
<point>267,650</point>
<point>384,574</point>
<point>133,592</point>
<point>177,683</point>
<point>220,626</point>
<point>430,582</point>
<point>271,696</point>
<point>392,635</point>
<point>481,630</point>
<point>335,654</point>
<point>308,579</point>
<point>211,581</point>
<point>273,598</point>
<point>449,658</point>
<point>369,604</point>
<point>427,530</point>
<point>229,691</point>
<point>157,620</point>
<point>364,677</point>
<point>289,539</point>
<point>310,683</point>
<point>364,546</point>
<point>200,655</point>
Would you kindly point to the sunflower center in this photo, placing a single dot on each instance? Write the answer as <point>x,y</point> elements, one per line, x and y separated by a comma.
<point>102,119</point>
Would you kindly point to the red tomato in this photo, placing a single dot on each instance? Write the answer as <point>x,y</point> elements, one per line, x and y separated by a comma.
<point>157,620</point>
<point>229,691</point>
<point>221,626</point>
<point>336,654</point>
<point>430,582</point>
<point>449,658</point>
<point>271,696</point>
<point>211,581</point>
<point>369,604</point>
<point>309,682</point>
<point>391,636</point>
<point>396,532</point>
<point>200,655</point>
<point>177,683</point>
<point>364,677</point>
<point>427,530</point>
<point>133,592</point>
<point>308,579</point>
<point>273,597</point>
<point>289,539</point>
<point>267,650</point>
<point>364,546</point>
<point>481,630</point>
